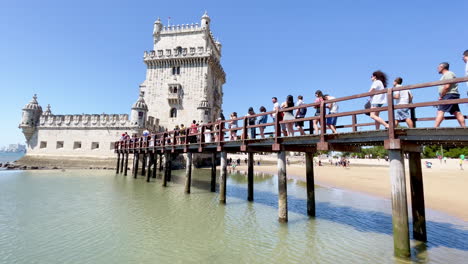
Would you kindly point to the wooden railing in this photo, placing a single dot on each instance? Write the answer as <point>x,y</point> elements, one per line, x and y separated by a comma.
<point>217,131</point>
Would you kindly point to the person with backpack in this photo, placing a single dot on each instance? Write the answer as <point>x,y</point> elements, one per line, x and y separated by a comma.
<point>262,120</point>
<point>300,113</point>
<point>402,97</point>
<point>331,121</point>
<point>251,122</point>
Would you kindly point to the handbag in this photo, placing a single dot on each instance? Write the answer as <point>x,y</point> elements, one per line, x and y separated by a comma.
<point>367,106</point>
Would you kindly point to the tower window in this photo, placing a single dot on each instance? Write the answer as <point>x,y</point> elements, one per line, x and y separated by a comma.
<point>77,145</point>
<point>94,145</point>
<point>43,144</point>
<point>176,70</point>
<point>178,50</point>
<point>59,144</point>
<point>173,113</point>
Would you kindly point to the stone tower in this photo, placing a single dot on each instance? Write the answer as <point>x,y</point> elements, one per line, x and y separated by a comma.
<point>184,78</point>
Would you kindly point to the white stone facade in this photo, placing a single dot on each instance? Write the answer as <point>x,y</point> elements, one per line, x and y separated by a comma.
<point>184,79</point>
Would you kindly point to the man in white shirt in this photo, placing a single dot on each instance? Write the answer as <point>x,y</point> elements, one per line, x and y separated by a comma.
<point>402,97</point>
<point>276,106</point>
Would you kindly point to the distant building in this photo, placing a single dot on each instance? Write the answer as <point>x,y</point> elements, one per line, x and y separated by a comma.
<point>184,80</point>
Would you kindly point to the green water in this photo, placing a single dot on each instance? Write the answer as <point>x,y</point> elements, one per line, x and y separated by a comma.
<point>99,217</point>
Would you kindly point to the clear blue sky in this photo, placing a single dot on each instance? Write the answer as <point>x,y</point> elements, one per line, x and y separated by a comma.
<point>86,56</point>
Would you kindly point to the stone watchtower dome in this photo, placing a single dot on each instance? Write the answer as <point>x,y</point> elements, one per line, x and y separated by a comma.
<point>139,112</point>
<point>31,114</point>
<point>205,21</point>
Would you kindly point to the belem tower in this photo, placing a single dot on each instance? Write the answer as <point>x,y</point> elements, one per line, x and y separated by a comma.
<point>184,82</point>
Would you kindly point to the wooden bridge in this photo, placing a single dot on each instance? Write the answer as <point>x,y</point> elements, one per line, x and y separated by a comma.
<point>396,140</point>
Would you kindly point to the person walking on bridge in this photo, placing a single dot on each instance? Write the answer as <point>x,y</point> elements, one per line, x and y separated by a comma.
<point>379,82</point>
<point>402,97</point>
<point>448,92</point>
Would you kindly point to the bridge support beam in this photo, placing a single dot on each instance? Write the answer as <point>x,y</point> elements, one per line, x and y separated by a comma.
<point>213,172</point>
<point>155,164</point>
<point>169,164</point>
<point>150,163</point>
<point>118,163</point>
<point>126,164</point>
<point>143,164</point>
<point>250,177</point>
<point>310,183</point>
<point>399,204</point>
<point>282,188</point>
<point>136,160</point>
<point>160,162</point>
<point>417,197</point>
<point>166,169</point>
<point>188,172</point>
<point>122,163</point>
<point>222,178</point>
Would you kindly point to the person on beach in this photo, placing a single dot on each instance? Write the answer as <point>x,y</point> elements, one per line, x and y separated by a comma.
<point>402,97</point>
<point>448,92</point>
<point>262,120</point>
<point>331,121</point>
<point>379,82</point>
<point>462,159</point>
<point>288,115</point>
<point>300,113</point>
<point>318,99</point>
<point>232,125</point>
<point>251,121</point>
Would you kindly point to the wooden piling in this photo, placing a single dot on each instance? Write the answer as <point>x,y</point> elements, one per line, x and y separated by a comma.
<point>143,164</point>
<point>310,183</point>
<point>169,171</point>
<point>417,197</point>
<point>166,168</point>
<point>136,160</point>
<point>118,163</point>
<point>213,172</point>
<point>250,177</point>
<point>282,188</point>
<point>155,164</point>
<point>188,172</point>
<point>150,163</point>
<point>126,164</point>
<point>222,178</point>
<point>122,163</point>
<point>160,162</point>
<point>399,206</point>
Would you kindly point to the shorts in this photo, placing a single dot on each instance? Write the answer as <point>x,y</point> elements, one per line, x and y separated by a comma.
<point>402,114</point>
<point>299,123</point>
<point>332,120</point>
<point>450,108</point>
<point>376,105</point>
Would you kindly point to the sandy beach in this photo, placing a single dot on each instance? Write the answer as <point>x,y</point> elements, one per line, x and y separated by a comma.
<point>445,184</point>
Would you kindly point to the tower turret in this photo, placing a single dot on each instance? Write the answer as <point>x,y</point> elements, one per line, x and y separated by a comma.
<point>157,27</point>
<point>47,112</point>
<point>204,111</point>
<point>205,21</point>
<point>139,112</point>
<point>31,113</point>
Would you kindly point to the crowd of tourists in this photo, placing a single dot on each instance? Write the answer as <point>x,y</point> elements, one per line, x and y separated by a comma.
<point>379,83</point>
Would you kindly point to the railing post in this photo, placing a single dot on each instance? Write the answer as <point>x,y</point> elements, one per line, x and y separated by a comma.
<point>413,116</point>
<point>276,146</point>
<point>354,123</point>
<point>323,125</point>
<point>244,130</point>
<point>391,117</point>
<point>202,138</point>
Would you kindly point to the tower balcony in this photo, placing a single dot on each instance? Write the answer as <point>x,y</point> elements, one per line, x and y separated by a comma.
<point>174,98</point>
